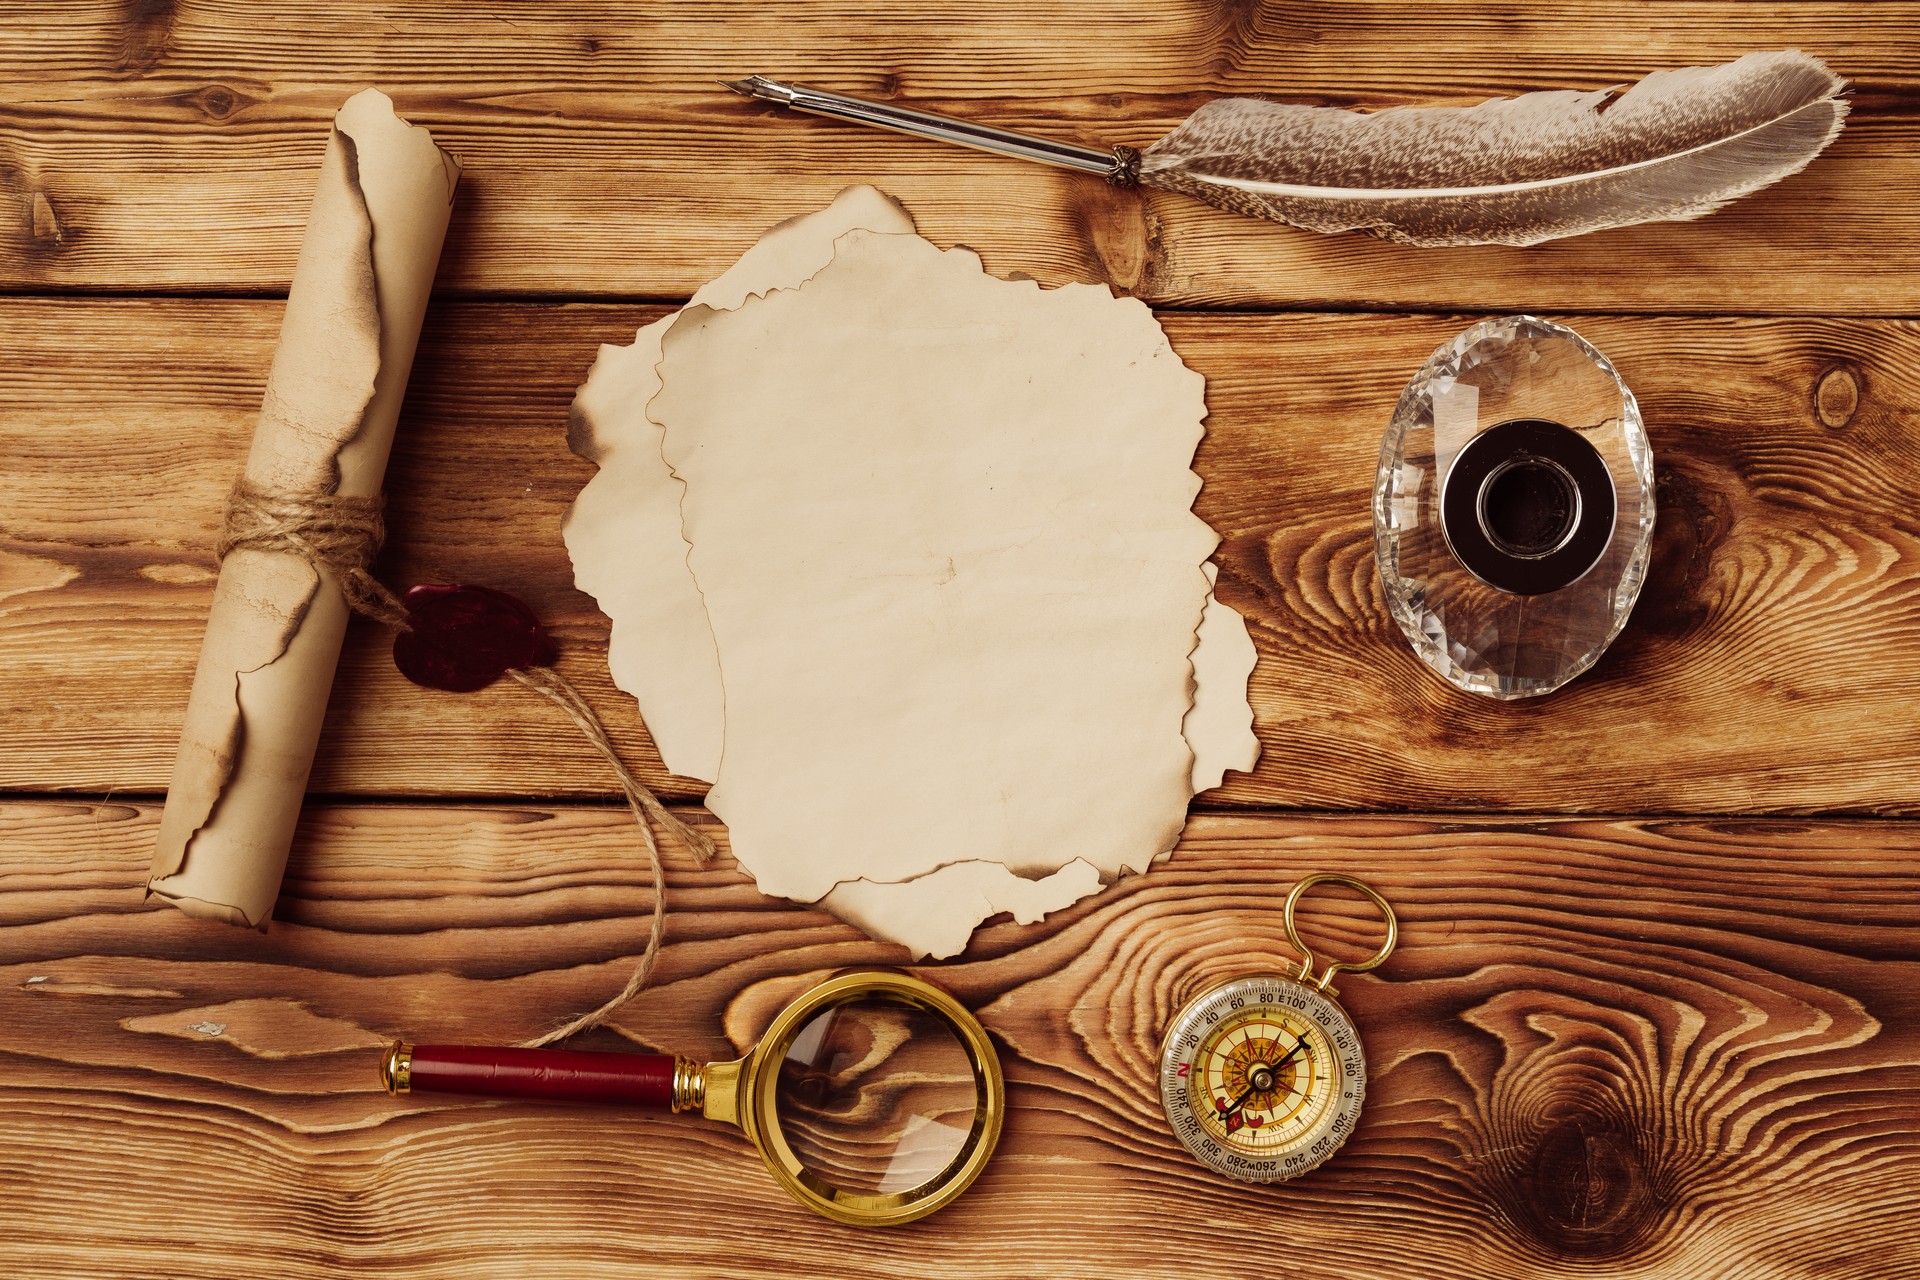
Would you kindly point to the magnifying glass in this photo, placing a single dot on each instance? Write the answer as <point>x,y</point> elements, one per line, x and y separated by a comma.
<point>875,1098</point>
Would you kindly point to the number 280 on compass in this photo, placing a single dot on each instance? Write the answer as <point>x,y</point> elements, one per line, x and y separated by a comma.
<point>1262,1077</point>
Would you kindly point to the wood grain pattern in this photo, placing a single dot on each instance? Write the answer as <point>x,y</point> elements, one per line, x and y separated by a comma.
<point>1772,663</point>
<point>1664,1049</point>
<point>171,146</point>
<point>1655,1047</point>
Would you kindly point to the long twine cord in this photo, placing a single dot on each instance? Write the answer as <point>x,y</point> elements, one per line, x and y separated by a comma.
<point>560,691</point>
<point>341,536</point>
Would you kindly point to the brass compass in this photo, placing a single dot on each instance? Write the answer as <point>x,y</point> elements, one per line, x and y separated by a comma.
<point>1262,1076</point>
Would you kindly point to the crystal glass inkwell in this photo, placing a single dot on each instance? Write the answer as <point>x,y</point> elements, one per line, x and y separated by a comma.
<point>1513,511</point>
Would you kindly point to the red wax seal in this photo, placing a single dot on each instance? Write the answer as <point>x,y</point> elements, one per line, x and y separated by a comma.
<point>464,638</point>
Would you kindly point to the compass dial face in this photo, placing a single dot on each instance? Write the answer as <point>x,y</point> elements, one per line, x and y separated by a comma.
<point>1262,1078</point>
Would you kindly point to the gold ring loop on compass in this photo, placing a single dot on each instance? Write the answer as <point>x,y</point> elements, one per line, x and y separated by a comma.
<point>1306,953</point>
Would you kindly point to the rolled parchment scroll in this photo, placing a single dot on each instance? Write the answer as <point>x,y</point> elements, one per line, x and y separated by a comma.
<point>326,425</point>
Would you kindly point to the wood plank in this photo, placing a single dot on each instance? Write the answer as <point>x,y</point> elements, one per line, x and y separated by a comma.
<point>171,146</point>
<point>1666,1048</point>
<point>1771,665</point>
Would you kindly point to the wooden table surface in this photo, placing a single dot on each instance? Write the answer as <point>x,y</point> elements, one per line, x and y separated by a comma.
<point>1655,1007</point>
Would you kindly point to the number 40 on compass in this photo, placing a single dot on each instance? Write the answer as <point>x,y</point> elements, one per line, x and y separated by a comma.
<point>1262,1076</point>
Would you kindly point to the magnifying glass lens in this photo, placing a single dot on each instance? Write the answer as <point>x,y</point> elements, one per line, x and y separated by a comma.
<point>876,1097</point>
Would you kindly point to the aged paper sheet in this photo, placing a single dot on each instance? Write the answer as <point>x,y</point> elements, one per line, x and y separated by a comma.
<point>942,526</point>
<point>625,537</point>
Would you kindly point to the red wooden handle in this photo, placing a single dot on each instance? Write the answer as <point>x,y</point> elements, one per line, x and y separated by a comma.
<point>563,1075</point>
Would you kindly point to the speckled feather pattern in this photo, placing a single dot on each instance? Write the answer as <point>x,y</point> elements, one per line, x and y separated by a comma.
<point>1517,171</point>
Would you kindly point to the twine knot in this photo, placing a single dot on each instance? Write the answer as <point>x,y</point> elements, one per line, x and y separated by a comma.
<point>336,534</point>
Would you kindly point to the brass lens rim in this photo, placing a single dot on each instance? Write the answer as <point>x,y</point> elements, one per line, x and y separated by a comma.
<point>760,1116</point>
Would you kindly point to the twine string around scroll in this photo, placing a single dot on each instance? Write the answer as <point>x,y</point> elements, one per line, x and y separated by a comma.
<point>336,534</point>
<point>340,536</point>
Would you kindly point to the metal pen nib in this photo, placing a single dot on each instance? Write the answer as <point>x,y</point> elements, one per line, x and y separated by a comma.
<point>762,88</point>
<point>1118,165</point>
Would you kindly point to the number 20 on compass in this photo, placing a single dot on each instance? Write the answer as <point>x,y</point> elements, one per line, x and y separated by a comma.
<point>1262,1076</point>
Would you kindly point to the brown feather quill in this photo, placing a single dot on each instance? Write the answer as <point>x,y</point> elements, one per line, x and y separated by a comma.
<point>1513,171</point>
<point>1677,145</point>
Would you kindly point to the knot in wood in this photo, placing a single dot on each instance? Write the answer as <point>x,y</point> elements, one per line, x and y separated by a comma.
<point>216,101</point>
<point>1121,238</point>
<point>46,226</point>
<point>1696,514</point>
<point>1836,397</point>
<point>1583,1190</point>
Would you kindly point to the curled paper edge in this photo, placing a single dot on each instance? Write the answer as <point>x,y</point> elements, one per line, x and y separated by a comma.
<point>1219,724</point>
<point>935,915</point>
<point>661,649</point>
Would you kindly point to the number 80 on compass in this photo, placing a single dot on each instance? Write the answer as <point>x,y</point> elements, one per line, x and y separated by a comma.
<point>1262,1077</point>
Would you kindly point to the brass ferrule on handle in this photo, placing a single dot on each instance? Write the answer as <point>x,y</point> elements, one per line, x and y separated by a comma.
<point>396,1068</point>
<point>689,1085</point>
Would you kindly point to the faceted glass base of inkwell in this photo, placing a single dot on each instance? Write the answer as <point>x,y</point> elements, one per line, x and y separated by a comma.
<point>1513,511</point>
